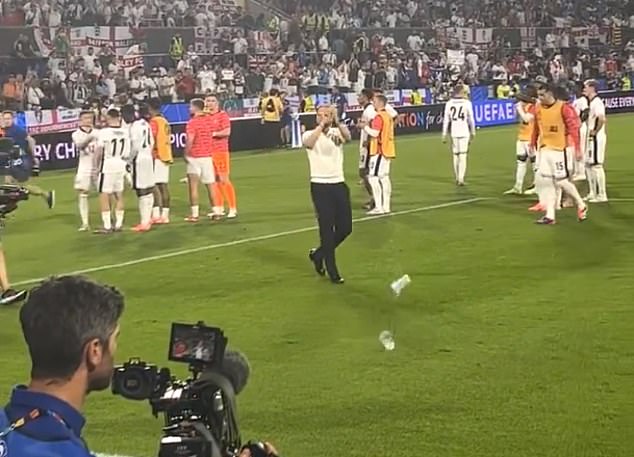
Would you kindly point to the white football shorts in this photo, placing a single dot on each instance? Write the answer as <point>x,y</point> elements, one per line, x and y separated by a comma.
<point>379,166</point>
<point>595,154</point>
<point>555,164</point>
<point>203,167</point>
<point>460,145</point>
<point>110,183</point>
<point>143,174</point>
<point>161,172</point>
<point>85,182</point>
<point>364,158</point>
<point>523,149</point>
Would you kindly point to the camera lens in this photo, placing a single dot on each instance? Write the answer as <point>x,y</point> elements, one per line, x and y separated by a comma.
<point>134,383</point>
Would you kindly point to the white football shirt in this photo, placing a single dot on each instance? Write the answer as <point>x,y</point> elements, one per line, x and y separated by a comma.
<point>597,111</point>
<point>458,118</point>
<point>142,141</point>
<point>85,141</point>
<point>114,142</point>
<point>580,105</point>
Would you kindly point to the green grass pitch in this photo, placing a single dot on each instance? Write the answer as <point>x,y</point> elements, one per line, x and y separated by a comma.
<point>512,340</point>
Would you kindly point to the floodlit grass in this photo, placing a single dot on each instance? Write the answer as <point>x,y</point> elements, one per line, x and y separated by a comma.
<point>512,340</point>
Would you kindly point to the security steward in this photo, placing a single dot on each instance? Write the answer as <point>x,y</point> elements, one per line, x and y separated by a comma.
<point>271,109</point>
<point>329,192</point>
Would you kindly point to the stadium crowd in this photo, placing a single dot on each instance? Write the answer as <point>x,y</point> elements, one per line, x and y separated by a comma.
<point>315,45</point>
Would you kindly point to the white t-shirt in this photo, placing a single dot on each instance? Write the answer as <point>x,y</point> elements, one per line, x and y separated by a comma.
<point>597,111</point>
<point>326,157</point>
<point>459,118</point>
<point>114,142</point>
<point>142,140</point>
<point>85,142</point>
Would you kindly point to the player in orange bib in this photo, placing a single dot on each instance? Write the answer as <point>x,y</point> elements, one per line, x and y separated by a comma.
<point>220,125</point>
<point>556,124</point>
<point>526,113</point>
<point>161,131</point>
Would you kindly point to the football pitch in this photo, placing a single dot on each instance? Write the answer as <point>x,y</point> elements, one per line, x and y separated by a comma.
<point>512,340</point>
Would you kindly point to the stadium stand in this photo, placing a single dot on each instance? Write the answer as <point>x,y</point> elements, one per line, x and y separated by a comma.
<point>65,54</point>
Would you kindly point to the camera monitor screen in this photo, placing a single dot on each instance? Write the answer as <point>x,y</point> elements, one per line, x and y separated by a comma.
<point>196,344</point>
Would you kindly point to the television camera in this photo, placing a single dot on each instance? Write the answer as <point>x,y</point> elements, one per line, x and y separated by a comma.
<point>10,196</point>
<point>14,161</point>
<point>200,413</point>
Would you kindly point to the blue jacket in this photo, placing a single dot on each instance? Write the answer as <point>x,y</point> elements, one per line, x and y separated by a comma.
<point>55,433</point>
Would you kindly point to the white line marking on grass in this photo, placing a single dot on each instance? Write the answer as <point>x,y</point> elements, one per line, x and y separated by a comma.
<point>254,239</point>
<point>619,200</point>
<point>110,455</point>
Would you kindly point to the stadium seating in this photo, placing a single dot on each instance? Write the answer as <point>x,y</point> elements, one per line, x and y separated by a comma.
<point>302,45</point>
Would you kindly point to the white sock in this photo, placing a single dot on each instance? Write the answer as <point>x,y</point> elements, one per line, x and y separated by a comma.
<point>156,212</point>
<point>520,174</point>
<point>118,218</point>
<point>549,196</point>
<point>145,208</point>
<point>377,193</point>
<point>106,218</point>
<point>195,211</point>
<point>580,168</point>
<point>600,177</point>
<point>83,209</point>
<point>559,195</point>
<point>539,188</point>
<point>591,176</point>
<point>571,190</point>
<point>165,213</point>
<point>386,186</point>
<point>462,166</point>
<point>456,166</point>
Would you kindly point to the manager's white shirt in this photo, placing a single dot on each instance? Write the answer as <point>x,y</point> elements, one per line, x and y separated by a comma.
<point>325,158</point>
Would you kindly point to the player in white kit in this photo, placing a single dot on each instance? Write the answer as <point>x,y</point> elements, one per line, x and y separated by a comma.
<point>460,120</point>
<point>141,163</point>
<point>581,106</point>
<point>597,142</point>
<point>369,113</point>
<point>113,149</point>
<point>85,140</point>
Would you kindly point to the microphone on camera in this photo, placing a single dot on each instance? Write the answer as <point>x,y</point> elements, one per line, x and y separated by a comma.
<point>236,368</point>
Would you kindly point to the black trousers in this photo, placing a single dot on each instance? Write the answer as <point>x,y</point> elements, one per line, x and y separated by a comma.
<point>334,214</point>
<point>271,132</point>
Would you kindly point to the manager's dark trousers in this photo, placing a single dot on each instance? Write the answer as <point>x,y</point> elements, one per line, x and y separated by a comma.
<point>334,214</point>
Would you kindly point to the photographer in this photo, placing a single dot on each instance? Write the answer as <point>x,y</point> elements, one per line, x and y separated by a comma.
<point>29,162</point>
<point>70,325</point>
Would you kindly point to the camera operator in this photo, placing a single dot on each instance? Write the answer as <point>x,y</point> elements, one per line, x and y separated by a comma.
<point>8,295</point>
<point>70,325</point>
<point>26,143</point>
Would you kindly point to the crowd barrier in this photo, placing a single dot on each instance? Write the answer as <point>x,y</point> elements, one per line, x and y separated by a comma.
<point>56,150</point>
